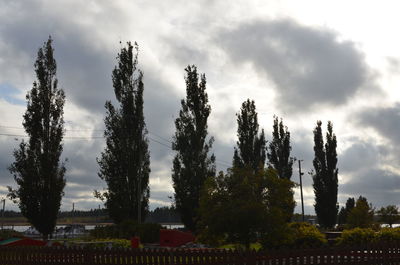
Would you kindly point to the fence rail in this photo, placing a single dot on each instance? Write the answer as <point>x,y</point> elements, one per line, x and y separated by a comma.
<point>377,254</point>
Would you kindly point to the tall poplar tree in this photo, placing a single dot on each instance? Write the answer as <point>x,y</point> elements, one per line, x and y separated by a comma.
<point>326,177</point>
<point>125,162</point>
<point>280,160</point>
<point>37,169</point>
<point>250,149</point>
<point>192,164</point>
<point>279,150</point>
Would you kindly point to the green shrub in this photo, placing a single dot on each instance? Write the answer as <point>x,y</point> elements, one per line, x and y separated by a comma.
<point>299,235</point>
<point>279,236</point>
<point>148,232</point>
<point>211,239</point>
<point>356,236</point>
<point>306,235</point>
<point>102,243</point>
<point>388,234</point>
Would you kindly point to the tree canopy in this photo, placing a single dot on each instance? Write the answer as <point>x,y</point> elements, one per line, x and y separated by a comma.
<point>325,177</point>
<point>125,161</point>
<point>362,215</point>
<point>279,150</point>
<point>244,206</point>
<point>37,169</point>
<point>193,162</point>
<point>344,211</point>
<point>250,147</point>
<point>389,214</point>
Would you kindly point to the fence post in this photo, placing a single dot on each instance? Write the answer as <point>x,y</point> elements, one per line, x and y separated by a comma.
<point>88,257</point>
<point>250,257</point>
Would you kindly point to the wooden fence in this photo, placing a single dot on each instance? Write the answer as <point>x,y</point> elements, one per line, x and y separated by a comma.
<point>378,254</point>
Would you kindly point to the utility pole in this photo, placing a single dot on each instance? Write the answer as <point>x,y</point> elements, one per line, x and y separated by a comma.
<point>301,189</point>
<point>2,213</point>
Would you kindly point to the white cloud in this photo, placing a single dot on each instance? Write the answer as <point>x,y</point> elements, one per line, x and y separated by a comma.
<point>172,34</point>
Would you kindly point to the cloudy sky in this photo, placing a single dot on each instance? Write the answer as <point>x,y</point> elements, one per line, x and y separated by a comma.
<point>301,60</point>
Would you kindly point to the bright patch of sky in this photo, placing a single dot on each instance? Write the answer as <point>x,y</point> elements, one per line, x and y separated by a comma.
<point>10,94</point>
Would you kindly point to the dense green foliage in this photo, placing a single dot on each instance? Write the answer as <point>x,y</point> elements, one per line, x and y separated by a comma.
<point>125,162</point>
<point>37,169</point>
<point>244,207</point>
<point>356,236</point>
<point>325,177</point>
<point>360,236</point>
<point>101,243</point>
<point>362,215</point>
<point>389,214</point>
<point>250,147</point>
<point>306,235</point>
<point>388,235</point>
<point>148,232</point>
<point>279,150</point>
<point>279,156</point>
<point>192,163</point>
<point>344,211</point>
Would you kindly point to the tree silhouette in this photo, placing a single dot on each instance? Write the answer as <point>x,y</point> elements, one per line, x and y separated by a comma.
<point>37,169</point>
<point>125,162</point>
<point>192,163</point>
<point>250,147</point>
<point>279,150</point>
<point>326,177</point>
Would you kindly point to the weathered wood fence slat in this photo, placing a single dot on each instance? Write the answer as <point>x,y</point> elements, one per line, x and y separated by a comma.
<point>372,254</point>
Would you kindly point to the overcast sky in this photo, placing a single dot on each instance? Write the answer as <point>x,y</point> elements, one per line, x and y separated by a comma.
<point>301,60</point>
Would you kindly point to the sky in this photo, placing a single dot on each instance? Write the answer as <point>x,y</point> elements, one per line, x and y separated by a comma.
<point>303,61</point>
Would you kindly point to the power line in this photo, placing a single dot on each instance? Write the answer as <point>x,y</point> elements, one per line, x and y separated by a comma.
<point>68,130</point>
<point>65,137</point>
<point>154,140</point>
<point>218,161</point>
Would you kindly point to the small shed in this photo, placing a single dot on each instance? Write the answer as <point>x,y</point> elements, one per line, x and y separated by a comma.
<point>175,238</point>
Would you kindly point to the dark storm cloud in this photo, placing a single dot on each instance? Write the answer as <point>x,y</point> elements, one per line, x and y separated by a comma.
<point>381,187</point>
<point>384,120</point>
<point>81,165</point>
<point>183,53</point>
<point>7,145</point>
<point>309,66</point>
<point>360,155</point>
<point>84,71</point>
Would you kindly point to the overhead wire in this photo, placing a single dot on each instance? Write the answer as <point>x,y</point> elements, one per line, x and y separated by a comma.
<point>169,146</point>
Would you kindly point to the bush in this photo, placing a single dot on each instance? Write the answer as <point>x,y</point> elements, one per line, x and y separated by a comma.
<point>356,236</point>
<point>103,243</point>
<point>307,235</point>
<point>388,235</point>
<point>298,235</point>
<point>148,232</point>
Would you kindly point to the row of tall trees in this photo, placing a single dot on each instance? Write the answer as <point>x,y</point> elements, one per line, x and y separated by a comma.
<point>192,165</point>
<point>124,164</point>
